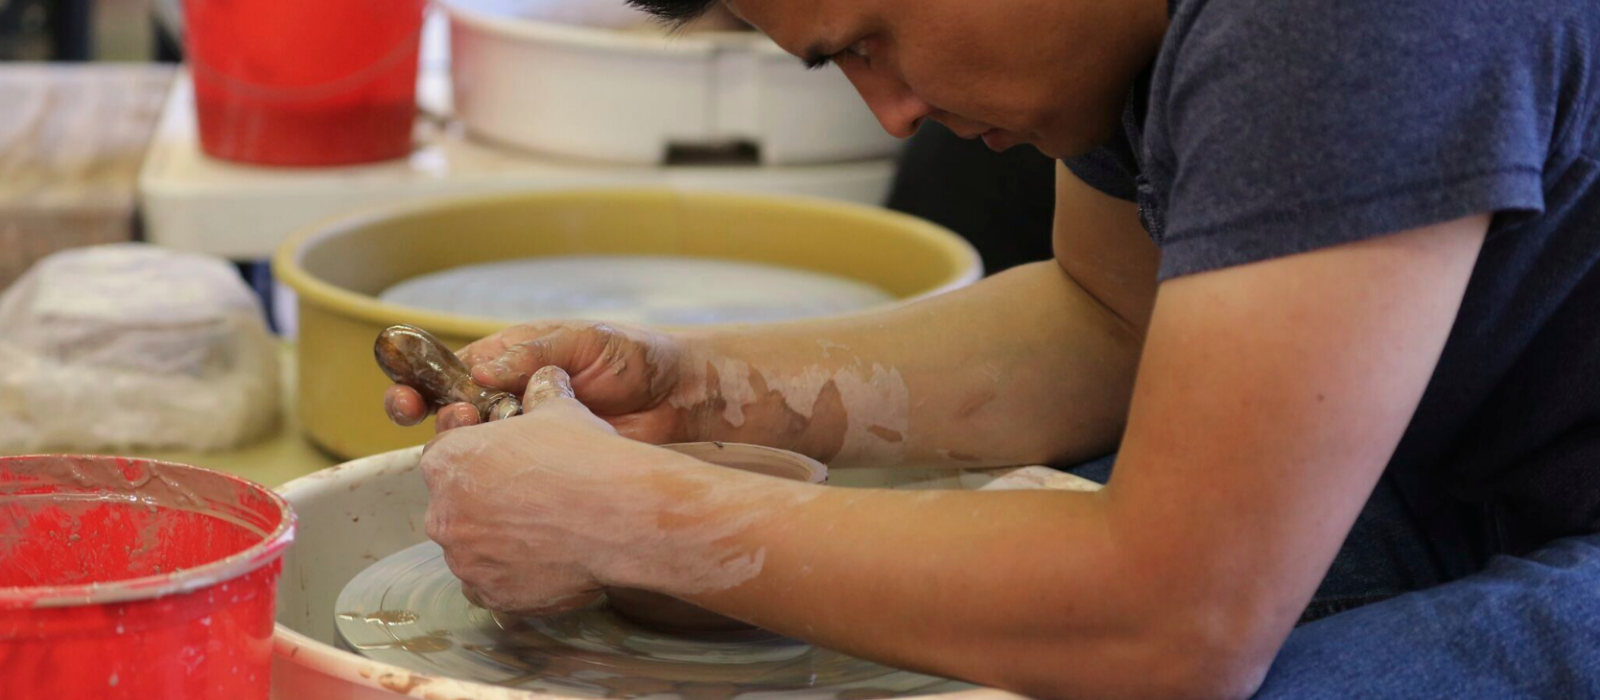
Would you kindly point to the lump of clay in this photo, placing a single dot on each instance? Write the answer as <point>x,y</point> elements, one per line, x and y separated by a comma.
<point>129,346</point>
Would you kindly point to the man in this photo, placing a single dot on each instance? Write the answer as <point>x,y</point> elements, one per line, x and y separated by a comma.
<point>1324,276</point>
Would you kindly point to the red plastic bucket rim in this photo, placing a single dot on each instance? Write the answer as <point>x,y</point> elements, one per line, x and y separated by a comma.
<point>269,549</point>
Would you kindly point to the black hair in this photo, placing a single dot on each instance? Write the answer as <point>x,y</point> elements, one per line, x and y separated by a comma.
<point>674,11</point>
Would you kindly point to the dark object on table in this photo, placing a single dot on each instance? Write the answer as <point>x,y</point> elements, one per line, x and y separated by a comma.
<point>44,30</point>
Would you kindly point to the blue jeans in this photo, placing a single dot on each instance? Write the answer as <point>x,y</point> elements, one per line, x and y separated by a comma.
<point>1386,622</point>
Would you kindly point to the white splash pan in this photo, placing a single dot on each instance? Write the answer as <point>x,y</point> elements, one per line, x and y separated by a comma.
<point>356,513</point>
<point>525,75</point>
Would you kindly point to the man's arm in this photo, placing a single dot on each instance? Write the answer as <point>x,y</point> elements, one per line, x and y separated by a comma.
<point>1031,366</point>
<point>1035,365</point>
<point>1269,399</point>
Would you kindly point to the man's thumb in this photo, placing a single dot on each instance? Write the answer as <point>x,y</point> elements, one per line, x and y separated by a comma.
<point>550,383</point>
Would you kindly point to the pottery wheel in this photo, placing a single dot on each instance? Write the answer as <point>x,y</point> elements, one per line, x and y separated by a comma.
<point>408,610</point>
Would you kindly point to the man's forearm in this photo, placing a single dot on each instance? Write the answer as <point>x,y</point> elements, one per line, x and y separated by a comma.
<point>1023,367</point>
<point>1024,590</point>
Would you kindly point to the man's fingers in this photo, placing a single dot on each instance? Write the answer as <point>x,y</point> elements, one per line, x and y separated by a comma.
<point>558,605</point>
<point>472,595</point>
<point>456,415</point>
<point>511,602</point>
<point>512,368</point>
<point>549,383</point>
<point>404,405</point>
<point>518,362</point>
<point>493,346</point>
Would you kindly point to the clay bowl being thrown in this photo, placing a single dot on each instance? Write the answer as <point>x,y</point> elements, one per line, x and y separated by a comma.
<point>665,612</point>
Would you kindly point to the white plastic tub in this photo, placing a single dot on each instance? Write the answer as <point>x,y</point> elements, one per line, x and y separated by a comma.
<point>526,76</point>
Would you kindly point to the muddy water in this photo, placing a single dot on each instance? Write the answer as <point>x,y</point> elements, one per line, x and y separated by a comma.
<point>408,610</point>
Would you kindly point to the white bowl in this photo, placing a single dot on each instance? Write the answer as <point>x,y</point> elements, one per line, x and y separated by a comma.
<point>526,76</point>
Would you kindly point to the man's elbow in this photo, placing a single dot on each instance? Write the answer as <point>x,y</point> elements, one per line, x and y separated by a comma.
<point>1223,658</point>
<point>1216,675</point>
<point>1175,662</point>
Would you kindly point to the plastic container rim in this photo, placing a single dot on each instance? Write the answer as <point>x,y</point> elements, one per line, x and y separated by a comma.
<point>287,261</point>
<point>269,549</point>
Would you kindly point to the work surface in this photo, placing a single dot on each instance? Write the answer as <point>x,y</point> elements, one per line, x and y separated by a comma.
<point>71,141</point>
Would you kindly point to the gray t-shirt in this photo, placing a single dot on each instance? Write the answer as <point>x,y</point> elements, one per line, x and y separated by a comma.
<point>1267,128</point>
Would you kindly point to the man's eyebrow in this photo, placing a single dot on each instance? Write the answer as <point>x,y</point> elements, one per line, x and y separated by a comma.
<point>815,57</point>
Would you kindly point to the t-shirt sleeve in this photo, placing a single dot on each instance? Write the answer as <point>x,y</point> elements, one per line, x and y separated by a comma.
<point>1111,168</point>
<point>1292,125</point>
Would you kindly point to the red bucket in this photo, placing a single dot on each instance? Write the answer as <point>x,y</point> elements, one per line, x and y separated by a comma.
<point>128,578</point>
<point>304,82</point>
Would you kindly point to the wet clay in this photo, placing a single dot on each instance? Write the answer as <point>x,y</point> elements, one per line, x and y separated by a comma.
<point>756,407</point>
<point>385,617</point>
<point>590,652</point>
<point>846,408</point>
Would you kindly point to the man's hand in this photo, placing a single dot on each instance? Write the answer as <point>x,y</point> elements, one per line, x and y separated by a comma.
<point>519,504</point>
<point>624,375</point>
<point>536,513</point>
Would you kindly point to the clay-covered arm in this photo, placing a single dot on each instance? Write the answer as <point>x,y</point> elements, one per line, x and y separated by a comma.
<point>1024,367</point>
<point>1269,399</point>
<point>1031,366</point>
<point>1034,365</point>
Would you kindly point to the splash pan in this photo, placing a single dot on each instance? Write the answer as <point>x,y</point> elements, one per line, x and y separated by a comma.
<point>408,610</point>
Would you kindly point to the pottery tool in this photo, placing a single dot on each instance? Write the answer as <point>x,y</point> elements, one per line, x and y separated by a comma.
<point>413,357</point>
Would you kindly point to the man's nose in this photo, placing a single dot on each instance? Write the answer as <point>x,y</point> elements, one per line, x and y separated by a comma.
<point>897,108</point>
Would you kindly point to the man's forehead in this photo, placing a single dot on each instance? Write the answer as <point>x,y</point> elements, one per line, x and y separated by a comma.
<point>777,19</point>
<point>796,25</point>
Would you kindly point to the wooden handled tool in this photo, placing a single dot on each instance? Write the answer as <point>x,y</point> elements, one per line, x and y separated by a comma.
<point>413,357</point>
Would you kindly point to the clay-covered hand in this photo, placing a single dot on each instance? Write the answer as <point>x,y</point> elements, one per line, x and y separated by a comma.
<point>625,375</point>
<point>522,506</point>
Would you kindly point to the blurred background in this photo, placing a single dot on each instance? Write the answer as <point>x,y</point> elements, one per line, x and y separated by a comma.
<point>81,30</point>
<point>210,133</point>
<point>114,58</point>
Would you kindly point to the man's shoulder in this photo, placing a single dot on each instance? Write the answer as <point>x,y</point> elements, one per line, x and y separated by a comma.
<point>1254,25</point>
<point>1294,54</point>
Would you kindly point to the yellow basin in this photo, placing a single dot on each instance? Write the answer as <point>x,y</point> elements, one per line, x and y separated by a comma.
<point>338,269</point>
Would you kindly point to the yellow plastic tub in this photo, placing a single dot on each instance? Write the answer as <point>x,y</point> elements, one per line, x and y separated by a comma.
<point>338,269</point>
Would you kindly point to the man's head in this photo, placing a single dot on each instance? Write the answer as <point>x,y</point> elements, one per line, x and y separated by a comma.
<point>1048,72</point>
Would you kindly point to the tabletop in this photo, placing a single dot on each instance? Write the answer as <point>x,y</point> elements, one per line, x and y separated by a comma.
<point>72,137</point>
